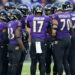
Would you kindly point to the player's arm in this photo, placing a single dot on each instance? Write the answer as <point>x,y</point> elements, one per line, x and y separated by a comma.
<point>27,26</point>
<point>18,37</point>
<point>5,34</point>
<point>54,28</point>
<point>49,28</point>
<point>71,29</point>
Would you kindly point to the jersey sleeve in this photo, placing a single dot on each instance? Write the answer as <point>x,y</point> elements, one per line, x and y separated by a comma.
<point>4,25</point>
<point>55,16</point>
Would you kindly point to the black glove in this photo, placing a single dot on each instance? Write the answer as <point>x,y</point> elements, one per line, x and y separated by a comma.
<point>24,51</point>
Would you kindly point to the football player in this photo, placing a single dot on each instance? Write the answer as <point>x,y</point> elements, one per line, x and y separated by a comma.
<point>68,7</point>
<point>24,9</point>
<point>37,26</point>
<point>9,6</point>
<point>3,42</point>
<point>55,6</point>
<point>48,39</point>
<point>15,47</point>
<point>72,53</point>
<point>61,31</point>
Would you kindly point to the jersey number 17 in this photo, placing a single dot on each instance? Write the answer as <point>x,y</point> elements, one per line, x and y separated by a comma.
<point>35,27</point>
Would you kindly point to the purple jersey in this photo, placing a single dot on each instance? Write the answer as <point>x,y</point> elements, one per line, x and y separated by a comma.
<point>12,25</point>
<point>38,26</point>
<point>64,20</point>
<point>23,22</point>
<point>73,23</point>
<point>3,25</point>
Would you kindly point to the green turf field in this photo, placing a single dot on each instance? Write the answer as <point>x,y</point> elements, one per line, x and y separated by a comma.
<point>26,68</point>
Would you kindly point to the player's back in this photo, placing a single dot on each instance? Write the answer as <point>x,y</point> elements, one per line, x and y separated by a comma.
<point>64,20</point>
<point>12,26</point>
<point>38,25</point>
<point>3,25</point>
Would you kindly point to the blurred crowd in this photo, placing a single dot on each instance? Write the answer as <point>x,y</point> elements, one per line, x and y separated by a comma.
<point>28,2</point>
<point>31,2</point>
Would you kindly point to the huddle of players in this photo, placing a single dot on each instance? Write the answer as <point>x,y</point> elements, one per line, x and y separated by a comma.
<point>53,32</point>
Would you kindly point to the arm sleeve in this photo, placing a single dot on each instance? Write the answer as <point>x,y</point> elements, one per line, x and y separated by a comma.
<point>18,24</point>
<point>5,25</point>
<point>55,16</point>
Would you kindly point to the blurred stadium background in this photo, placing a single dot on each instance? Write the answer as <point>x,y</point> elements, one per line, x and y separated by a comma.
<point>27,63</point>
<point>31,2</point>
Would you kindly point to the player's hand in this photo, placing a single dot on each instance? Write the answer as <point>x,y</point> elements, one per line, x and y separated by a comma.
<point>24,51</point>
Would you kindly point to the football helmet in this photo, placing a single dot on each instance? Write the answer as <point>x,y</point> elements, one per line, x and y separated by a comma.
<point>9,5</point>
<point>33,7</point>
<point>48,8</point>
<point>57,7</point>
<point>38,9</point>
<point>3,15</point>
<point>16,14</point>
<point>67,6</point>
<point>23,8</point>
